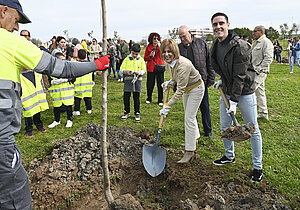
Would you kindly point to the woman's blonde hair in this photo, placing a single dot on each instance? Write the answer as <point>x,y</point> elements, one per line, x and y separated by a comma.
<point>172,46</point>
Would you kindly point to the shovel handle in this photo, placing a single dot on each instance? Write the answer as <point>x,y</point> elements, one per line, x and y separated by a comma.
<point>165,101</point>
<point>235,122</point>
<point>224,98</point>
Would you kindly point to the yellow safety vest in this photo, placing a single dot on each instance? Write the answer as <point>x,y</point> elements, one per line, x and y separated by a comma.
<point>62,94</point>
<point>33,98</point>
<point>84,86</point>
<point>15,54</point>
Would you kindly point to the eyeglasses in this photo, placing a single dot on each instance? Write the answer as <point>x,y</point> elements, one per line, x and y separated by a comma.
<point>155,38</point>
<point>24,34</point>
<point>256,31</point>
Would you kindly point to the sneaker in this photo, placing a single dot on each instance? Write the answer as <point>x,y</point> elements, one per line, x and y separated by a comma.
<point>291,72</point>
<point>29,134</point>
<point>148,102</point>
<point>69,124</point>
<point>257,175</point>
<point>42,129</point>
<point>89,111</point>
<point>263,116</point>
<point>137,117</point>
<point>224,160</point>
<point>160,104</point>
<point>119,80</point>
<point>52,125</point>
<point>125,116</point>
<point>76,113</point>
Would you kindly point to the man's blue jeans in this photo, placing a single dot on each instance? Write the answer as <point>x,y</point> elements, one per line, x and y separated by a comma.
<point>112,66</point>
<point>293,59</point>
<point>248,107</point>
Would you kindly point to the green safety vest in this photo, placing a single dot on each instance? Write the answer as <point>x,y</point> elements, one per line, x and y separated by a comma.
<point>33,97</point>
<point>84,86</point>
<point>62,94</point>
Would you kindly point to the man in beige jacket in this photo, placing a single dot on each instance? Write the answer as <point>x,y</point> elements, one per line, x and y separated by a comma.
<point>262,57</point>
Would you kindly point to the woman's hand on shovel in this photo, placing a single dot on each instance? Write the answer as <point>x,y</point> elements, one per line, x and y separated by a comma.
<point>165,110</point>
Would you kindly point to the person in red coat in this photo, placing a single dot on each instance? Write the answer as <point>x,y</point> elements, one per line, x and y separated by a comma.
<point>155,68</point>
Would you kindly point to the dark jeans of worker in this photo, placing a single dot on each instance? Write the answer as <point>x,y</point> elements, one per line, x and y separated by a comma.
<point>151,76</point>
<point>136,100</point>
<point>56,111</point>
<point>14,184</point>
<point>205,112</point>
<point>118,66</point>
<point>87,100</point>
<point>35,119</point>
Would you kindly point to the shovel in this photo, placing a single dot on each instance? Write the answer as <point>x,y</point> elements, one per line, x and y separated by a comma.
<point>237,132</point>
<point>154,158</point>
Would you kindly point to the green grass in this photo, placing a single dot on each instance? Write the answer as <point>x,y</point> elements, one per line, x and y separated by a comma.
<point>281,133</point>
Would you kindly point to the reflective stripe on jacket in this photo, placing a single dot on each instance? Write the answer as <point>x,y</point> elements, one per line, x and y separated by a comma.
<point>84,86</point>
<point>33,97</point>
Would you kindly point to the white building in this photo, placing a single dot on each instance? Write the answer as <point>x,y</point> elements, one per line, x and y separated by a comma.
<point>202,32</point>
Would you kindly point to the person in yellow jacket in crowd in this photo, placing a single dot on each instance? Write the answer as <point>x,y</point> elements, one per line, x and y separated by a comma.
<point>16,53</point>
<point>62,93</point>
<point>133,68</point>
<point>33,97</point>
<point>85,47</point>
<point>83,88</point>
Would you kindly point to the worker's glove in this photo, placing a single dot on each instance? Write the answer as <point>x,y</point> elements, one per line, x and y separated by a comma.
<point>57,81</point>
<point>217,84</point>
<point>102,63</point>
<point>165,84</point>
<point>165,110</point>
<point>232,107</point>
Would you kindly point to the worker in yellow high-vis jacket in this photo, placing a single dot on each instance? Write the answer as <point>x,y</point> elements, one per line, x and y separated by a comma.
<point>83,88</point>
<point>33,97</point>
<point>16,53</point>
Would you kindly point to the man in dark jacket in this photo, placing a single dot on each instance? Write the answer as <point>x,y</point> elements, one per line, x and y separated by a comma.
<point>231,59</point>
<point>197,51</point>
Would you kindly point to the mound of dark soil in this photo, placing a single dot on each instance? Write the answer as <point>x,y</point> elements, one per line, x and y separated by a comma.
<point>71,177</point>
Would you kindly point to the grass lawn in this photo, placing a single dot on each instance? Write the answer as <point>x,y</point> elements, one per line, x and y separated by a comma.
<point>281,134</point>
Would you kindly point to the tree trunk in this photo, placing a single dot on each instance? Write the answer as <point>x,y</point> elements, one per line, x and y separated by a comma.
<point>107,192</point>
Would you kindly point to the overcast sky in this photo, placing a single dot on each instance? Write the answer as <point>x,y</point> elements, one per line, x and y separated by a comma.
<point>135,19</point>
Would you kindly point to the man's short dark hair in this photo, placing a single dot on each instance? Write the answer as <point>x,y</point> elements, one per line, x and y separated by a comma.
<point>24,30</point>
<point>136,47</point>
<point>219,14</point>
<point>59,54</point>
<point>81,54</point>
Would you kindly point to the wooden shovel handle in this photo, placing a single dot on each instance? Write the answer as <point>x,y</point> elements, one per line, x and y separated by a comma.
<point>165,101</point>
<point>224,98</point>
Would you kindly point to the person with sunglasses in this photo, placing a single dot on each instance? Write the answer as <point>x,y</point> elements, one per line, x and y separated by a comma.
<point>95,50</point>
<point>154,62</point>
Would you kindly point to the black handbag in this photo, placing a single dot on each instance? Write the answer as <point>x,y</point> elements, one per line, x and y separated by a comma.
<point>160,68</point>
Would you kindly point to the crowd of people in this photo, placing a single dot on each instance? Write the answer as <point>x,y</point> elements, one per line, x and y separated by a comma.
<point>192,65</point>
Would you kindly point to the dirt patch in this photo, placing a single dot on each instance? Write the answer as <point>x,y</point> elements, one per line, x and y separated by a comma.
<point>71,178</point>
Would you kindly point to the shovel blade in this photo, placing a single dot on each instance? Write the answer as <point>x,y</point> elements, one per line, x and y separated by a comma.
<point>154,159</point>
